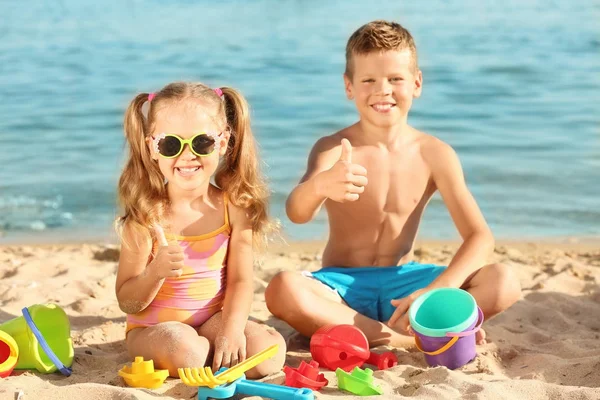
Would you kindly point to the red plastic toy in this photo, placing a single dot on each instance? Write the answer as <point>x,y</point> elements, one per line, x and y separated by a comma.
<point>9,353</point>
<point>383,361</point>
<point>305,376</point>
<point>346,347</point>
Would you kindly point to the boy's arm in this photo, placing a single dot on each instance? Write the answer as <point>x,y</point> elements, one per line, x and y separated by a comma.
<point>305,200</point>
<point>329,174</point>
<point>478,241</point>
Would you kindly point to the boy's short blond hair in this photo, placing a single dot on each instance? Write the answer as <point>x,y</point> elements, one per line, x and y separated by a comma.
<point>379,36</point>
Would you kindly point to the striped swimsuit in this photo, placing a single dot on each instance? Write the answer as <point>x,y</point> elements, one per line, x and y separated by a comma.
<point>198,293</point>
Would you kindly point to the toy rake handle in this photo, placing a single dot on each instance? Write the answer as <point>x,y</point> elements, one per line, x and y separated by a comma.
<point>277,392</point>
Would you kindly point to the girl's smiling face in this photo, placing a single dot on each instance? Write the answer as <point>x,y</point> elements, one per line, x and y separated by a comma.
<point>186,119</point>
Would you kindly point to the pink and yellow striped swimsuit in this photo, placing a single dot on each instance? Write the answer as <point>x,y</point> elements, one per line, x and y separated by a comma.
<point>198,293</point>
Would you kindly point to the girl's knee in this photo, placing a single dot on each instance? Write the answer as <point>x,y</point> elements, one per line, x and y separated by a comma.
<point>192,354</point>
<point>175,345</point>
<point>258,342</point>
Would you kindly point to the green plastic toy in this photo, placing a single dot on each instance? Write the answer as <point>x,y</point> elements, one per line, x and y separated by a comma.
<point>42,326</point>
<point>359,382</point>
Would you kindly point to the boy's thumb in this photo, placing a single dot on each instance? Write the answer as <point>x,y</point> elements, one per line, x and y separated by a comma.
<point>160,235</point>
<point>346,151</point>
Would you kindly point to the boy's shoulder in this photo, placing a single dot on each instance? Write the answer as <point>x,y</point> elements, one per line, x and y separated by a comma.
<point>433,149</point>
<point>440,157</point>
<point>329,147</point>
<point>333,140</point>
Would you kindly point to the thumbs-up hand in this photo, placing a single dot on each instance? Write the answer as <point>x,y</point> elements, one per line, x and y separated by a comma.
<point>168,262</point>
<point>344,181</point>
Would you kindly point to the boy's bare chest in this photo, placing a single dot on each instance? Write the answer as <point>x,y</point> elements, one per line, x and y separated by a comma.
<point>396,185</point>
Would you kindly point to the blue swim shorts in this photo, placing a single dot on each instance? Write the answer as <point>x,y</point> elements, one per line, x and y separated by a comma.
<point>369,290</point>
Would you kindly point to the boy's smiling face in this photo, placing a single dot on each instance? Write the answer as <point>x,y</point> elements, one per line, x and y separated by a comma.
<point>383,86</point>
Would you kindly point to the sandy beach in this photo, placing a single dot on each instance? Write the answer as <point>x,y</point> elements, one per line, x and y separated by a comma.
<point>547,346</point>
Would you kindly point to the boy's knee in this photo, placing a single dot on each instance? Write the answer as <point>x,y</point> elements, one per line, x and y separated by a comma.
<point>508,283</point>
<point>279,290</point>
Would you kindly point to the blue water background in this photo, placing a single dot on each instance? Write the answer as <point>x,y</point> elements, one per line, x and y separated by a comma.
<point>513,86</point>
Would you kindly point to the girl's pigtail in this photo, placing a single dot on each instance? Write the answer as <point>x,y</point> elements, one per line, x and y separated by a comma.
<point>141,188</point>
<point>240,174</point>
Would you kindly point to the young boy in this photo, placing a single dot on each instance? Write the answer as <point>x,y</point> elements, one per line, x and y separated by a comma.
<point>375,179</point>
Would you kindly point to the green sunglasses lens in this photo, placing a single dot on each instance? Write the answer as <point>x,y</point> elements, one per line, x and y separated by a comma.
<point>169,146</point>
<point>203,145</point>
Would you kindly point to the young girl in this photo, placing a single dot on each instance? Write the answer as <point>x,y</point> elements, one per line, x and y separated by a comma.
<point>190,298</point>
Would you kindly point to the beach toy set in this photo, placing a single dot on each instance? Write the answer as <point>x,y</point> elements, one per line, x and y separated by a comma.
<point>39,340</point>
<point>232,381</point>
<point>346,347</point>
<point>343,349</point>
<point>307,376</point>
<point>444,322</point>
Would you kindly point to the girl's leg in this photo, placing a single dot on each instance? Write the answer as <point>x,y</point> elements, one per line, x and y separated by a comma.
<point>258,338</point>
<point>170,345</point>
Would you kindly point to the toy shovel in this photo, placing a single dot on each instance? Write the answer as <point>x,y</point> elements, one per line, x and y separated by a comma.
<point>253,388</point>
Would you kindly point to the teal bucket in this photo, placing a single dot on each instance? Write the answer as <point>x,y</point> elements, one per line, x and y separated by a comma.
<point>445,321</point>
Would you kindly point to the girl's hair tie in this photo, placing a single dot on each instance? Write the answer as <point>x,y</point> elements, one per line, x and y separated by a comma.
<point>151,96</point>
<point>219,92</point>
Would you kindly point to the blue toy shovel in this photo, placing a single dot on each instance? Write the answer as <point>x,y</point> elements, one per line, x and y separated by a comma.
<point>253,388</point>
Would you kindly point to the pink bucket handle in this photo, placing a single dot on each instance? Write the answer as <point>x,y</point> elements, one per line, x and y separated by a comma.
<point>472,331</point>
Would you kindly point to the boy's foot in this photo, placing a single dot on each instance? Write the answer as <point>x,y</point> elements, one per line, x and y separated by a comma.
<point>480,337</point>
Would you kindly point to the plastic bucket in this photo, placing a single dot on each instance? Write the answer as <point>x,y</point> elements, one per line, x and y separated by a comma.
<point>9,353</point>
<point>43,336</point>
<point>445,321</point>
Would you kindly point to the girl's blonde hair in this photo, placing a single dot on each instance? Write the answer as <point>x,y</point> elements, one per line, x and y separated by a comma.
<point>142,191</point>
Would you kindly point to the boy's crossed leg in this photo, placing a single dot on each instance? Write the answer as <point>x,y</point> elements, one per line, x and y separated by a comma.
<point>307,304</point>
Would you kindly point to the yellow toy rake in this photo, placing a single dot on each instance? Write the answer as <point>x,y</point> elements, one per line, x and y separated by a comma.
<point>204,376</point>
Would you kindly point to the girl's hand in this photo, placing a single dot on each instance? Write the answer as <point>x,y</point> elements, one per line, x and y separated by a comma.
<point>168,262</point>
<point>230,348</point>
